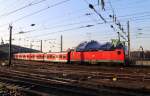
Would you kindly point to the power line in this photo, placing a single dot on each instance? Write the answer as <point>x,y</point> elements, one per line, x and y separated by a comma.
<point>89,21</point>
<point>128,7</point>
<point>14,11</point>
<point>73,24</point>
<point>38,11</point>
<point>47,8</point>
<point>114,17</point>
<point>74,28</point>
<point>57,26</point>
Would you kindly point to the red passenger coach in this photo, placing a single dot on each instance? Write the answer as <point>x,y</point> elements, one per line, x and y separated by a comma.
<point>16,56</point>
<point>56,57</point>
<point>21,56</point>
<point>30,56</point>
<point>110,56</point>
<point>36,56</point>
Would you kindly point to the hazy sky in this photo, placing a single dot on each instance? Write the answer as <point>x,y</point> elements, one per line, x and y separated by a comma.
<point>53,18</point>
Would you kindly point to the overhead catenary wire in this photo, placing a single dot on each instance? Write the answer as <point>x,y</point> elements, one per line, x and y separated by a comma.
<point>77,24</point>
<point>73,24</point>
<point>132,17</point>
<point>107,9</point>
<point>57,26</point>
<point>92,7</point>
<point>64,16</point>
<point>70,29</point>
<point>16,10</point>
<point>38,11</point>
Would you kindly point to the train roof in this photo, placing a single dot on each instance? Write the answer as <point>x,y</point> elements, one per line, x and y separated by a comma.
<point>95,46</point>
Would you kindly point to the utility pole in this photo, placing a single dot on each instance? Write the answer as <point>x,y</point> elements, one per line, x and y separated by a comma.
<point>61,43</point>
<point>128,29</point>
<point>10,45</point>
<point>41,46</point>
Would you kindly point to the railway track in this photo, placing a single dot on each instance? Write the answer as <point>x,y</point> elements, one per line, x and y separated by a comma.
<point>83,75</point>
<point>45,87</point>
<point>49,66</point>
<point>73,80</point>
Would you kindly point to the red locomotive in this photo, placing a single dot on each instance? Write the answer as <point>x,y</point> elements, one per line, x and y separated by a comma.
<point>83,54</point>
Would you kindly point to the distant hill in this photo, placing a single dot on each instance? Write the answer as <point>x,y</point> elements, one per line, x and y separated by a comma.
<point>4,50</point>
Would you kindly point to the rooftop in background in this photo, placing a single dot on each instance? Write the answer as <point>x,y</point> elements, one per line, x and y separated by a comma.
<point>4,50</point>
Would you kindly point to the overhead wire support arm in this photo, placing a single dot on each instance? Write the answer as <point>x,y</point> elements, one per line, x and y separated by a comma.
<point>16,10</point>
<point>92,7</point>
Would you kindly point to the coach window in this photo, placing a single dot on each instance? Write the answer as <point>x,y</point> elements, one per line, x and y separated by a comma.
<point>60,56</point>
<point>47,56</point>
<point>51,56</point>
<point>40,56</point>
<point>64,56</point>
